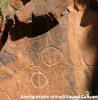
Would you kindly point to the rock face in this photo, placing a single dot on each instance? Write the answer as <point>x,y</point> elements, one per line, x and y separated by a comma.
<point>83,43</point>
<point>35,58</point>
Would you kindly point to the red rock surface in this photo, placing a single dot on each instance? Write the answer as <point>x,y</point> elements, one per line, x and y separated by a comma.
<point>35,60</point>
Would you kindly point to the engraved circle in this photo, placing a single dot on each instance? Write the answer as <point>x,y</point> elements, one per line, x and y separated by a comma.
<point>78,75</point>
<point>39,80</point>
<point>51,56</point>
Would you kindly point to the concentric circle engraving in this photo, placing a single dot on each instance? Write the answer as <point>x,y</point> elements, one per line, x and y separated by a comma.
<point>51,56</point>
<point>39,80</point>
<point>4,96</point>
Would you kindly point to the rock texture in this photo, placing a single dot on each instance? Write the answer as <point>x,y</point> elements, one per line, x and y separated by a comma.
<point>35,59</point>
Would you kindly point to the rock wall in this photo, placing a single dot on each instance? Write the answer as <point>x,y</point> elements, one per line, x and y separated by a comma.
<point>35,59</point>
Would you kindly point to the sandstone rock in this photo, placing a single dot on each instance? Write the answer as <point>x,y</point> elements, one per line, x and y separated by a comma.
<point>35,59</point>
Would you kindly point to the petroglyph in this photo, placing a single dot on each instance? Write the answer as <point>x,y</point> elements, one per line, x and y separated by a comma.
<point>51,56</point>
<point>39,80</point>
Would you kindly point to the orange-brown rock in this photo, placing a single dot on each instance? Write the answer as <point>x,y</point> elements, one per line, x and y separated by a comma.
<point>39,59</point>
<point>82,37</point>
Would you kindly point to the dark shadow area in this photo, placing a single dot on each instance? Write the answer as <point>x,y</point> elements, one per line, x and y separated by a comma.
<point>94,5</point>
<point>90,17</point>
<point>94,87</point>
<point>25,1</point>
<point>38,25</point>
<point>5,33</point>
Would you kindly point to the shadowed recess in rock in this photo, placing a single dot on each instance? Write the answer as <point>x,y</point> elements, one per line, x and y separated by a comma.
<point>38,26</point>
<point>90,18</point>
